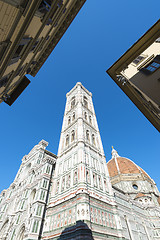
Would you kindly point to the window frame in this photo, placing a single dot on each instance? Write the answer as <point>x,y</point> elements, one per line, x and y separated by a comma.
<point>155,60</point>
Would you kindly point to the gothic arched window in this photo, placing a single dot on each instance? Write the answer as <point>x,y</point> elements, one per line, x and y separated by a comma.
<point>73,102</point>
<point>75,177</point>
<point>90,119</point>
<point>67,140</point>
<point>32,196</point>
<point>85,100</point>
<point>94,181</point>
<point>100,183</point>
<point>88,176</point>
<point>85,115</point>
<point>63,183</point>
<point>4,228</point>
<point>57,187</point>
<point>87,135</point>
<point>73,117</point>
<point>73,136</point>
<point>106,187</point>
<point>69,120</point>
<point>93,139</point>
<point>68,181</point>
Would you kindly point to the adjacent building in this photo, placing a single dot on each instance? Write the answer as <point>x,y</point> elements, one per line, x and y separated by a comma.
<point>29,31</point>
<point>137,73</point>
<point>76,194</point>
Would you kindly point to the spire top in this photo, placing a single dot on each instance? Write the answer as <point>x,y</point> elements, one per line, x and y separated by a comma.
<point>114,153</point>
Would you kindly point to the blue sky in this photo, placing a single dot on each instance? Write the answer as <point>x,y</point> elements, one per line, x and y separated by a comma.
<point>102,31</point>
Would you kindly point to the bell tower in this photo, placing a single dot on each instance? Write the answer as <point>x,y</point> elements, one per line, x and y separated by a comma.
<point>81,189</point>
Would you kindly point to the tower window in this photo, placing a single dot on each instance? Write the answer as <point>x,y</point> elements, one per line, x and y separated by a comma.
<point>68,181</point>
<point>73,136</point>
<point>63,183</point>
<point>100,183</point>
<point>105,184</point>
<point>87,135</point>
<point>73,102</point>
<point>57,188</point>
<point>94,181</point>
<point>93,139</point>
<point>85,100</point>
<point>75,177</point>
<point>90,119</point>
<point>88,177</point>
<point>73,116</point>
<point>67,140</point>
<point>85,116</point>
<point>69,120</point>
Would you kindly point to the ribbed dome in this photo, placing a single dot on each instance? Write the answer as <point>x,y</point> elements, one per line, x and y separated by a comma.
<point>120,165</point>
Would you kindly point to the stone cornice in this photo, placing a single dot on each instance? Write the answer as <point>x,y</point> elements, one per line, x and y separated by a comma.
<point>60,31</point>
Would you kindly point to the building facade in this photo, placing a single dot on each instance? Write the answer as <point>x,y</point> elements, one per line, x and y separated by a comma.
<point>76,194</point>
<point>29,31</point>
<point>137,74</point>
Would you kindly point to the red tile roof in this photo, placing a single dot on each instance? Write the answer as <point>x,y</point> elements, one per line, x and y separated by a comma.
<point>125,166</point>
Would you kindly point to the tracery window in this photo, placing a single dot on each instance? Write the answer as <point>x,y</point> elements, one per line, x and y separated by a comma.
<point>48,169</point>
<point>35,226</point>
<point>45,183</point>
<point>18,219</point>
<point>87,135</point>
<point>63,183</point>
<point>69,120</point>
<point>90,119</point>
<point>94,181</point>
<point>73,136</point>
<point>13,233</point>
<point>73,102</point>
<point>93,139</point>
<point>74,116</point>
<point>57,187</point>
<point>68,181</point>
<point>42,196</point>
<point>22,204</point>
<point>88,177</point>
<point>85,100</point>
<point>67,140</point>
<point>85,116</point>
<point>75,177</point>
<point>100,183</point>
<point>105,184</point>
<point>39,210</point>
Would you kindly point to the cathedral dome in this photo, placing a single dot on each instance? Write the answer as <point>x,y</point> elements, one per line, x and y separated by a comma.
<point>124,167</point>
